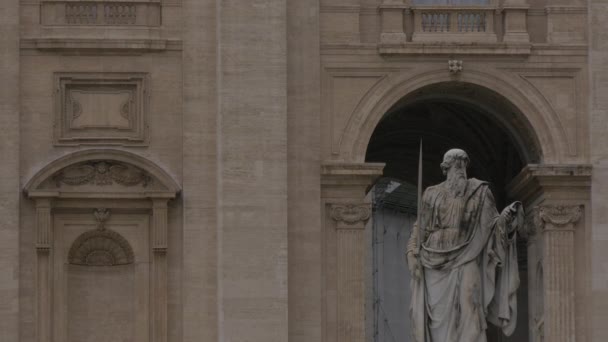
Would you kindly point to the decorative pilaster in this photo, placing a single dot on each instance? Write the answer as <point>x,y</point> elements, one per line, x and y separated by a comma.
<point>350,224</point>
<point>557,224</point>
<point>44,238</point>
<point>159,269</point>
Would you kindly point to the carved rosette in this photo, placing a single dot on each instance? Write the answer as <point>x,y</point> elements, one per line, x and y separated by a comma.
<point>102,173</point>
<point>557,216</point>
<point>350,214</point>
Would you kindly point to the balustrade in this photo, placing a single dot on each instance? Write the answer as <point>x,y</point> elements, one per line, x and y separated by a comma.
<point>101,13</point>
<point>454,24</point>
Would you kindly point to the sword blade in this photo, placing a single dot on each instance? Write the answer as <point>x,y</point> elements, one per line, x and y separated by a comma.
<point>419,209</point>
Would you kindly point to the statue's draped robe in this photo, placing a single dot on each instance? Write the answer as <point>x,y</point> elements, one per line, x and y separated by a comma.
<point>469,266</point>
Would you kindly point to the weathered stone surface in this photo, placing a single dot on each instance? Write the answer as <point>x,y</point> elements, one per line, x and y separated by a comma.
<point>258,115</point>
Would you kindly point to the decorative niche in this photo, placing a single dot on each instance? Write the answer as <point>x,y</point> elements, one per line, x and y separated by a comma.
<point>101,109</point>
<point>101,240</point>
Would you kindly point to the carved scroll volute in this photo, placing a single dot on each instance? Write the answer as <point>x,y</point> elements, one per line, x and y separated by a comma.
<point>350,216</point>
<point>557,217</point>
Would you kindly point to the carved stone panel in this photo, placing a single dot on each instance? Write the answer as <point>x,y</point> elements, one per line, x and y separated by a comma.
<point>100,108</point>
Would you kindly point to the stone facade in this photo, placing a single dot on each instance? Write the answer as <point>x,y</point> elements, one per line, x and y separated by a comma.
<point>228,142</point>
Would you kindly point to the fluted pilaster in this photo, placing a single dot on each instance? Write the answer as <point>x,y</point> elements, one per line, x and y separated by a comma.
<point>350,224</point>
<point>557,224</point>
<point>159,269</point>
<point>44,231</point>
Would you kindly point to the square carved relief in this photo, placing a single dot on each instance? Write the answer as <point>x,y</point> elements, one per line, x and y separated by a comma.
<point>101,108</point>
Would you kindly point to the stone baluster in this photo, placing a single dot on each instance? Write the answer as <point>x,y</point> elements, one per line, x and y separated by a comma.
<point>350,224</point>
<point>44,238</point>
<point>557,224</point>
<point>159,269</point>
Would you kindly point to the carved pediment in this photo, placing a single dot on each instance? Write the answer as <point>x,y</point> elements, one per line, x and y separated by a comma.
<point>102,173</point>
<point>107,173</point>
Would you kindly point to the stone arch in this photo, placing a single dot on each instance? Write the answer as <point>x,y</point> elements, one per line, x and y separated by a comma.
<point>114,172</point>
<point>542,123</point>
<point>101,247</point>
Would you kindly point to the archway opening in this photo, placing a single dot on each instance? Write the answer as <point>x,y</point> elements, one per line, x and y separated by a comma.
<point>446,115</point>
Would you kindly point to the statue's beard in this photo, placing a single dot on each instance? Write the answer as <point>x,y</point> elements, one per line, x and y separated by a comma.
<point>456,181</point>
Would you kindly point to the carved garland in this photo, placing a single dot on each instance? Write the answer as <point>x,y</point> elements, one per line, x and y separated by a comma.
<point>557,215</point>
<point>350,213</point>
<point>102,173</point>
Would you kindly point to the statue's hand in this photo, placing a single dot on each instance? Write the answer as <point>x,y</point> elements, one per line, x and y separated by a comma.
<point>414,265</point>
<point>510,212</point>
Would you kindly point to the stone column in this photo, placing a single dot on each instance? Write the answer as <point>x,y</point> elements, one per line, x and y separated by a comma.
<point>44,243</point>
<point>557,224</point>
<point>343,189</point>
<point>159,270</point>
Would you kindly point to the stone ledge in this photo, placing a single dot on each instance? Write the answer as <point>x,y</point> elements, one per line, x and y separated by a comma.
<point>341,173</point>
<point>93,45</point>
<point>455,48</point>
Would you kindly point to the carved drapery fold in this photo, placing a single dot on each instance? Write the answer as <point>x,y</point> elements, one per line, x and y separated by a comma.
<point>557,222</point>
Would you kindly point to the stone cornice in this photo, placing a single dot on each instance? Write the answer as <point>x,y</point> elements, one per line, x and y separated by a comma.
<point>100,45</point>
<point>341,173</point>
<point>535,178</point>
<point>566,9</point>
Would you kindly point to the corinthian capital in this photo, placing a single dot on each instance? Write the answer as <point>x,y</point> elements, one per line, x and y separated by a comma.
<point>558,216</point>
<point>350,214</point>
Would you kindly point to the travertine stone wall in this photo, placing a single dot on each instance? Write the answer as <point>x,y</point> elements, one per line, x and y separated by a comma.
<point>304,162</point>
<point>199,314</point>
<point>245,104</point>
<point>10,192</point>
<point>597,295</point>
<point>252,170</point>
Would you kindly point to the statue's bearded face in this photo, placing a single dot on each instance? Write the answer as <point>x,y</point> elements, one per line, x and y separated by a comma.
<point>456,160</point>
<point>445,166</point>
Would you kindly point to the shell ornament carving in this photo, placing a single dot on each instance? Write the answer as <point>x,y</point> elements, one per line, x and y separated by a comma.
<point>102,173</point>
<point>101,248</point>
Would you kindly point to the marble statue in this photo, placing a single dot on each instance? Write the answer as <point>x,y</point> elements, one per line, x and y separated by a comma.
<point>463,259</point>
